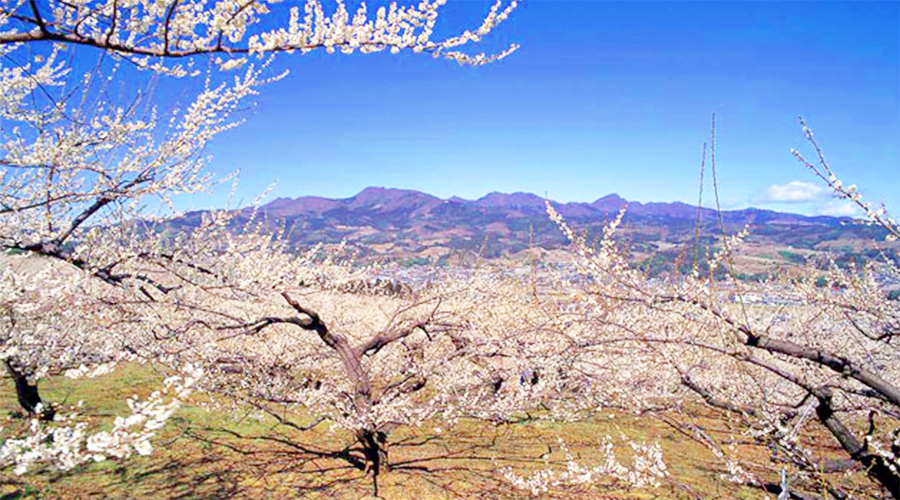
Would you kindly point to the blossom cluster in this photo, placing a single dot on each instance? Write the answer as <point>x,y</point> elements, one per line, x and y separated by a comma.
<point>149,32</point>
<point>879,216</point>
<point>68,442</point>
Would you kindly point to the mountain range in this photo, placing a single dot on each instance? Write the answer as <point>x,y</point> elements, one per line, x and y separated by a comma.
<point>408,224</point>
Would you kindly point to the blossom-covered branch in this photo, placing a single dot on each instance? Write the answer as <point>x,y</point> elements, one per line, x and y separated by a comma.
<point>145,30</point>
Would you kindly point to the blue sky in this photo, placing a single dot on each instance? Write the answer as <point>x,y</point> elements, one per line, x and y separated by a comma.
<point>603,97</point>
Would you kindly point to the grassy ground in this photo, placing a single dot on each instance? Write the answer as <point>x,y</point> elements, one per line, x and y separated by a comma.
<point>213,454</point>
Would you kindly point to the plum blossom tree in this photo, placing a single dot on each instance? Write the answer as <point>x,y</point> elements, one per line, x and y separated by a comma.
<point>74,177</point>
<point>809,361</point>
<point>479,348</point>
<point>81,157</point>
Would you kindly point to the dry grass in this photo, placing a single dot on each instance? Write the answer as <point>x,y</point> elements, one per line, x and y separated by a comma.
<point>216,455</point>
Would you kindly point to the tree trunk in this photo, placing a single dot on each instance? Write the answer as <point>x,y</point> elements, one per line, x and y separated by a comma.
<point>26,392</point>
<point>374,447</point>
<point>878,469</point>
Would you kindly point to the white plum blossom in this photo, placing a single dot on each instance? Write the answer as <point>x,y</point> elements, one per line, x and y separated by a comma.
<point>154,34</point>
<point>68,442</point>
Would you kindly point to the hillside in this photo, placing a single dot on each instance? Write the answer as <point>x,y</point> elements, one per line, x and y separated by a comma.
<point>417,227</point>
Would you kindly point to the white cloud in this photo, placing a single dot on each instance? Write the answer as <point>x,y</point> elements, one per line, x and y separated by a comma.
<point>793,192</point>
<point>807,198</point>
<point>838,208</point>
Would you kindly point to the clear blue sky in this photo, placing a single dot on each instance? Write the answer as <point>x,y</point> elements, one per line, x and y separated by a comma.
<point>603,97</point>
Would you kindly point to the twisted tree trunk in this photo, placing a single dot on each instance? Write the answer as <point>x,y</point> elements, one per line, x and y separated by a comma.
<point>373,442</point>
<point>27,392</point>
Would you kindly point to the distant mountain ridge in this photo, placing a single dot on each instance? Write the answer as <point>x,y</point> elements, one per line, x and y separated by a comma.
<point>411,224</point>
<point>389,200</point>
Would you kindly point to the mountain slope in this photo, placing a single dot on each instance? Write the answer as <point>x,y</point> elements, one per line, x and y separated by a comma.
<point>411,224</point>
